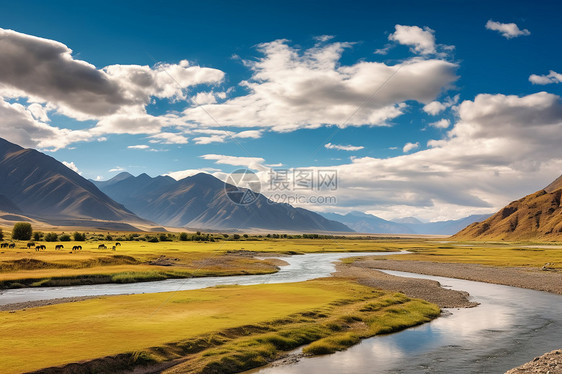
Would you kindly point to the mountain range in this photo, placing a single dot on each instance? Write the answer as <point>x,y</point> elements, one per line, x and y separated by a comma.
<point>368,223</point>
<point>537,216</point>
<point>38,186</point>
<point>201,202</point>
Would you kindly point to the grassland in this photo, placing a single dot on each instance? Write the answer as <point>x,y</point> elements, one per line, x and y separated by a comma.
<point>136,261</point>
<point>225,329</point>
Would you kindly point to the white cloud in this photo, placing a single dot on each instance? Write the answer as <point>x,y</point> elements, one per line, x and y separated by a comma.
<point>255,163</point>
<point>441,124</point>
<point>99,178</point>
<point>508,30</point>
<point>410,146</point>
<point>18,125</point>
<point>140,146</point>
<point>421,40</point>
<point>434,108</point>
<point>210,139</point>
<point>181,174</point>
<point>44,73</point>
<point>72,166</point>
<point>249,134</point>
<point>292,89</point>
<point>116,169</point>
<point>343,147</point>
<point>501,148</point>
<point>168,138</point>
<point>551,77</point>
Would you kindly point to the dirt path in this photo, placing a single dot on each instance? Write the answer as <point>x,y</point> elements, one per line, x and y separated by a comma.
<point>535,279</point>
<point>38,303</point>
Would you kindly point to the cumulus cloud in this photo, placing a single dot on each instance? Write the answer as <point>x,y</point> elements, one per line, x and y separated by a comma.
<point>436,107</point>
<point>421,40</point>
<point>551,77</point>
<point>72,166</point>
<point>410,146</point>
<point>343,147</point>
<point>168,138</point>
<point>501,147</point>
<point>44,73</point>
<point>18,125</point>
<point>255,163</point>
<point>292,89</point>
<point>508,30</point>
<point>441,124</point>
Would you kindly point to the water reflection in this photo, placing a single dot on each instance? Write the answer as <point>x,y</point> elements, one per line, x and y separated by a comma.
<point>511,326</point>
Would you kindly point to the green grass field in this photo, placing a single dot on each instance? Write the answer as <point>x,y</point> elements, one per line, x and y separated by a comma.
<point>211,326</point>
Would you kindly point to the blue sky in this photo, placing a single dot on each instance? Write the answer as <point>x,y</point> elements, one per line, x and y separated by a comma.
<point>308,66</point>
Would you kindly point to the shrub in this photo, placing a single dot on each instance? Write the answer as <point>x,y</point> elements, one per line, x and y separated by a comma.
<point>22,231</point>
<point>245,236</point>
<point>164,238</point>
<point>37,236</point>
<point>51,237</point>
<point>109,237</point>
<point>183,236</point>
<point>78,237</point>
<point>225,236</point>
<point>236,236</point>
<point>1,235</point>
<point>64,238</point>
<point>152,239</point>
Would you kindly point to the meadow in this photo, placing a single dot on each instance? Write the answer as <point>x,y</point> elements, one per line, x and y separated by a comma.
<point>225,329</point>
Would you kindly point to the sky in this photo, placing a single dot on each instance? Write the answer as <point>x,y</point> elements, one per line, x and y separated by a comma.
<point>436,109</point>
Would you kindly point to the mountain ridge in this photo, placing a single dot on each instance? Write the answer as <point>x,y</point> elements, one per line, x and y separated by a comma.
<point>537,216</point>
<point>43,188</point>
<point>200,201</point>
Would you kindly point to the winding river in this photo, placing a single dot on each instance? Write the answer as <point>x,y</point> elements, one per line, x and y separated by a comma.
<point>509,327</point>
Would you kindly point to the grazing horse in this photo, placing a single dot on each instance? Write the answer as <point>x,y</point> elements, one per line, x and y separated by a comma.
<point>118,244</point>
<point>30,245</point>
<point>12,245</point>
<point>77,248</point>
<point>3,245</point>
<point>60,246</point>
<point>102,246</point>
<point>113,248</point>
<point>40,247</point>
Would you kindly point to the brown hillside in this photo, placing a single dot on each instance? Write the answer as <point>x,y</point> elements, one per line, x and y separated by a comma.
<point>535,217</point>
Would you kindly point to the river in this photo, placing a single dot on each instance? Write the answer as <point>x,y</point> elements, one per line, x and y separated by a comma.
<point>509,327</point>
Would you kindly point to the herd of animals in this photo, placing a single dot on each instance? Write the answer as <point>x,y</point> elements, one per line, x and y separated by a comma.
<point>57,247</point>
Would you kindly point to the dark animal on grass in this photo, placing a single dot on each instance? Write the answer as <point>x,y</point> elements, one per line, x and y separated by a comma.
<point>113,248</point>
<point>59,246</point>
<point>77,248</point>
<point>102,246</point>
<point>30,245</point>
<point>118,244</point>
<point>3,245</point>
<point>12,245</point>
<point>40,247</point>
